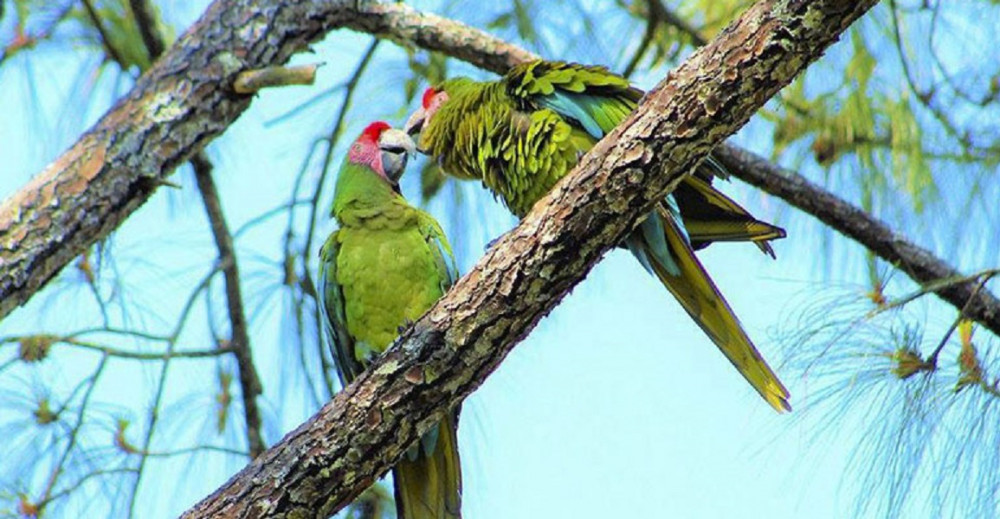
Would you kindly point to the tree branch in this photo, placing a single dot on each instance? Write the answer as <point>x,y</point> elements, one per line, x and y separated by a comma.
<point>323,464</point>
<point>146,19</point>
<point>920,264</point>
<point>179,105</point>
<point>240,339</point>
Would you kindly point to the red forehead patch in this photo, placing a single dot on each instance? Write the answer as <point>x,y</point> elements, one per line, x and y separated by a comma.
<point>374,130</point>
<point>428,96</point>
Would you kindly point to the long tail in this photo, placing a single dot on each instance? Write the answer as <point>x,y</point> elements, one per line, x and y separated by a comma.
<point>662,247</point>
<point>709,216</point>
<point>428,482</point>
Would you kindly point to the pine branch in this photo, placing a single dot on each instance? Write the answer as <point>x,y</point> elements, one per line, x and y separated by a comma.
<point>449,352</point>
<point>146,20</point>
<point>918,263</point>
<point>250,386</point>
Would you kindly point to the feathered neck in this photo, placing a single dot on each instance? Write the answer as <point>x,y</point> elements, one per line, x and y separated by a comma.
<point>359,187</point>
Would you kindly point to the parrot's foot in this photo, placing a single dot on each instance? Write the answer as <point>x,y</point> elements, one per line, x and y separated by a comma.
<point>402,328</point>
<point>491,243</point>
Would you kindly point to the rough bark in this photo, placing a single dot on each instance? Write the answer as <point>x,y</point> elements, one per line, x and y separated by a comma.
<point>177,107</point>
<point>353,440</point>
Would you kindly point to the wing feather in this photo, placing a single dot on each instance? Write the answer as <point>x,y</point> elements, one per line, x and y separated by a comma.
<point>333,314</point>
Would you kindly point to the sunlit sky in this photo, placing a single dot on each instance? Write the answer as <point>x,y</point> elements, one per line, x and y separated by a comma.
<point>616,404</point>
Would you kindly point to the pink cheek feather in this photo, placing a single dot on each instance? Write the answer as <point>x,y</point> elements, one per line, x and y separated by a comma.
<point>367,154</point>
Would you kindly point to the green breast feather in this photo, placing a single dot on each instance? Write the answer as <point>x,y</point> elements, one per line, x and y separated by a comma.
<point>406,285</point>
<point>386,265</point>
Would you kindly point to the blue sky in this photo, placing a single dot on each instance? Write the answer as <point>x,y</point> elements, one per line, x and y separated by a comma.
<point>617,403</point>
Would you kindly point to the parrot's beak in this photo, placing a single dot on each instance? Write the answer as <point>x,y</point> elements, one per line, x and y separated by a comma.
<point>396,140</point>
<point>396,147</point>
<point>415,123</point>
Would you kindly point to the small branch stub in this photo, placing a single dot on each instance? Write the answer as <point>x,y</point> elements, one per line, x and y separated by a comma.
<point>251,81</point>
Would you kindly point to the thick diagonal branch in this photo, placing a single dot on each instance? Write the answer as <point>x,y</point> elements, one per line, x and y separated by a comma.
<point>323,464</point>
<point>180,104</point>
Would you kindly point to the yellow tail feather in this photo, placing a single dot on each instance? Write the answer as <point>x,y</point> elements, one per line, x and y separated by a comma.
<point>704,303</point>
<point>710,216</point>
<point>430,487</point>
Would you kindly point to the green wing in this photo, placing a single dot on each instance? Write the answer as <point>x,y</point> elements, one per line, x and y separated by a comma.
<point>597,100</point>
<point>333,314</point>
<point>593,97</point>
<point>440,249</point>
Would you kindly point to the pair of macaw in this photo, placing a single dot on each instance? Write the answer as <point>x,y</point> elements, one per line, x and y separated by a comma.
<point>389,262</point>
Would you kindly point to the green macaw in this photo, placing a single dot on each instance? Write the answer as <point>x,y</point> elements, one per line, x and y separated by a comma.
<point>523,133</point>
<point>384,267</point>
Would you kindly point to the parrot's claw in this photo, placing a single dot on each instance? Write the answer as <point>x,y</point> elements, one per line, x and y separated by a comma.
<point>402,328</point>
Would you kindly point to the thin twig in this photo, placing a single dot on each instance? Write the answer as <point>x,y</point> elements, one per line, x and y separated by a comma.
<point>79,483</point>
<point>145,19</point>
<point>249,380</point>
<point>154,411</point>
<point>74,433</point>
<point>134,355</point>
<point>933,287</point>
<point>647,39</point>
<point>932,359</point>
<point>331,143</point>
<point>197,448</point>
<point>71,340</point>
<point>926,96</point>
<point>669,17</point>
<point>95,18</point>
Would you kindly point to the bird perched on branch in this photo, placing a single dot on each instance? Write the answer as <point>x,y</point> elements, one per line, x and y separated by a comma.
<point>521,134</point>
<point>385,266</point>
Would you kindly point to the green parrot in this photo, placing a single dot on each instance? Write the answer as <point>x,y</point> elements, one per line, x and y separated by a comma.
<point>523,133</point>
<point>384,267</point>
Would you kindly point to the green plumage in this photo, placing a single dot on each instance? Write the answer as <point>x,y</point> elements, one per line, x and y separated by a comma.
<point>523,133</point>
<point>390,260</point>
<point>385,266</point>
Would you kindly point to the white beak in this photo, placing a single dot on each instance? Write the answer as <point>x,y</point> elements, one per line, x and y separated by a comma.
<point>416,122</point>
